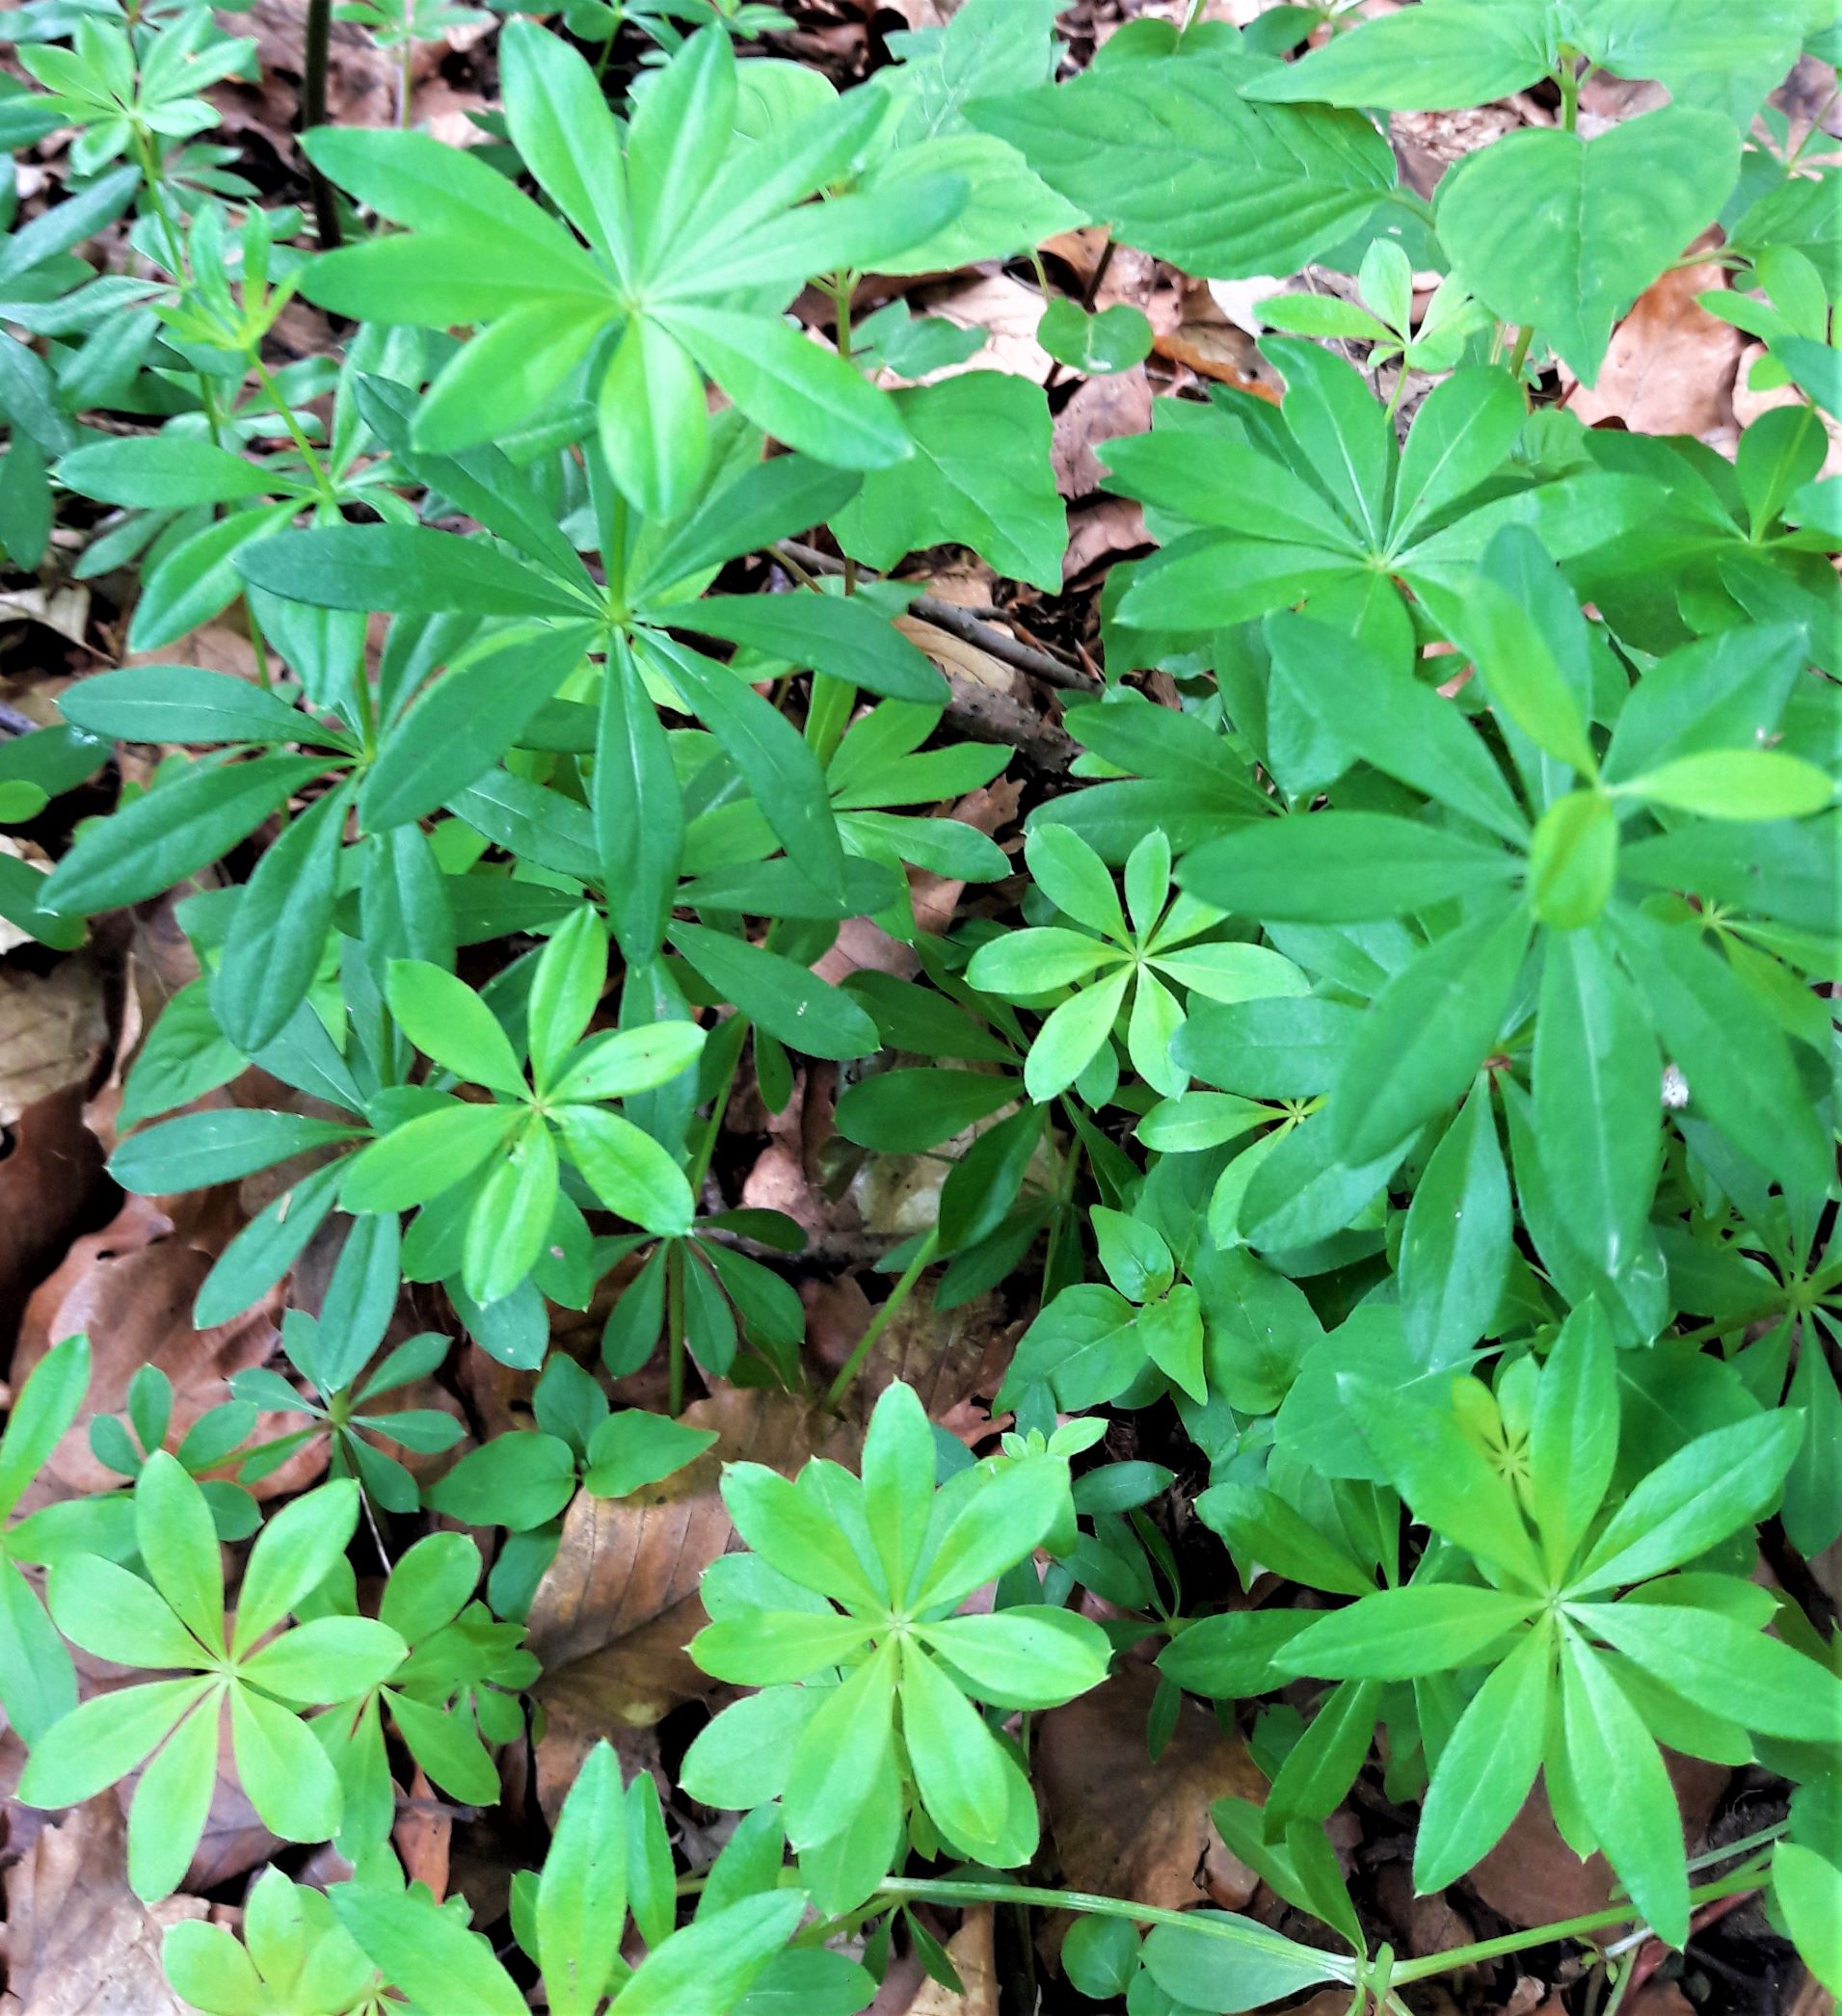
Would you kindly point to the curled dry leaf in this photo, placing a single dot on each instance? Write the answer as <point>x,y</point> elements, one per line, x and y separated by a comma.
<point>1127,1827</point>
<point>620,1603</point>
<point>77,1941</point>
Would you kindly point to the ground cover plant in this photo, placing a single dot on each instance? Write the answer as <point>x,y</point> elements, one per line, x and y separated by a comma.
<point>917,1022</point>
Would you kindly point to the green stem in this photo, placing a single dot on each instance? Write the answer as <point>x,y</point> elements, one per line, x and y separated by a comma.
<point>1569,94</point>
<point>842,287</point>
<point>1571,1928</point>
<point>405,84</point>
<point>271,392</point>
<point>1519,356</point>
<point>675,1333</point>
<point>313,64</point>
<point>1340,1966</point>
<point>879,1322</point>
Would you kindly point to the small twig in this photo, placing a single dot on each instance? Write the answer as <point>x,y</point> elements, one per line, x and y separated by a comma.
<point>956,623</point>
<point>988,715</point>
<point>14,722</point>
<point>313,65</point>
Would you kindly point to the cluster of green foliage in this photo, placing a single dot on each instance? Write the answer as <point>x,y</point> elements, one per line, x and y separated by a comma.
<point>1419,1098</point>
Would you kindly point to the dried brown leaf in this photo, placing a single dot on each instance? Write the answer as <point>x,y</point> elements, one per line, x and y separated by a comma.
<point>1126,1828</point>
<point>613,1614</point>
<point>77,1941</point>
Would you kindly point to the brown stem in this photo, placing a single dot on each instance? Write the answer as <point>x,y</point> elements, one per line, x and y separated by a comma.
<point>955,620</point>
<point>313,63</point>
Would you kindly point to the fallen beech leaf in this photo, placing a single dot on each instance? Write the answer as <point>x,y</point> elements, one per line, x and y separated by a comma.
<point>1101,411</point>
<point>130,1288</point>
<point>1671,366</point>
<point>970,1950</point>
<point>77,1941</point>
<point>1532,1877</point>
<point>1127,1827</point>
<point>50,1182</point>
<point>1007,310</point>
<point>614,1613</point>
<point>51,1031</point>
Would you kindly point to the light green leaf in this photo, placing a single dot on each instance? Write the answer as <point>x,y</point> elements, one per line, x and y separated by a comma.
<point>1557,232</point>
<point>979,476</point>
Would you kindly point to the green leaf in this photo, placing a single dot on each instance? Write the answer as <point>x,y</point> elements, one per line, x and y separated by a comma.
<point>292,1556</point>
<point>459,727</point>
<point>1487,1767</point>
<point>518,1481</point>
<point>151,845</point>
<point>994,1520</point>
<point>426,1952</point>
<point>632,1448</point>
<point>638,808</point>
<point>219,1146</point>
<point>581,1892</point>
<point>835,635</point>
<point>423,1158</point>
<point>627,1169</point>
<point>1444,56</point>
<point>172,1804</point>
<point>652,419</point>
<point>1460,438</point>
<point>1720,1665</point>
<point>404,569</point>
<point>104,1738</point>
<point>1808,1888</point>
<point>979,476</point>
<point>331,1658</point>
<point>1393,722</point>
<point>959,1767</point>
<point>566,988</point>
<point>1738,1064</point>
<point>1426,1032</point>
<point>1070,1039</point>
<point>42,1411</point>
<point>511,1218</point>
<point>1169,153</point>
<point>1573,1438</point>
<point>116,1615</point>
<point>278,932</point>
<point>1551,230</point>
<point>1401,1633</point>
<point>808,397</point>
<point>777,761</point>
<point>906,1112</point>
<point>1231,1964</point>
<point>805,1013</point>
<point>1720,1482</point>
<point>183,704</point>
<point>1736,784</point>
<point>1597,1115</point>
<point>1456,1245</point>
<point>164,472</point>
<point>448,1020</point>
<point>706,1969</point>
<point>1339,867</point>
<point>1029,1657</point>
<point>1115,339</point>
<point>563,131</point>
<point>1444,1478</point>
<point>845,1754</point>
<point>619,1063</point>
<point>1617,1774</point>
